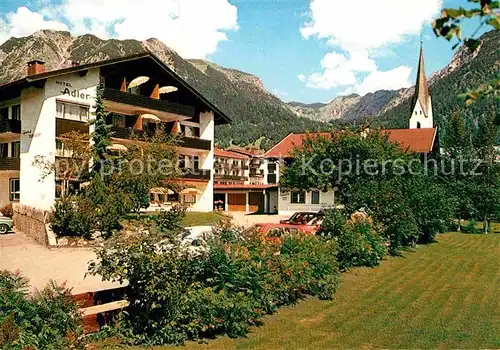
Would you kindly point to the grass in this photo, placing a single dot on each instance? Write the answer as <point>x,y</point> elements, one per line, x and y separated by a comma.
<point>192,218</point>
<point>443,295</point>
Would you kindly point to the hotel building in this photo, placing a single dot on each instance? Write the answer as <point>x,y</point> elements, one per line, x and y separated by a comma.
<point>37,109</point>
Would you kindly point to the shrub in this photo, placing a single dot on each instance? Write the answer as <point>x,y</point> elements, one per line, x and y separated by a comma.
<point>7,210</point>
<point>179,293</point>
<point>359,242</point>
<point>72,217</point>
<point>170,220</point>
<point>47,320</point>
<point>470,227</point>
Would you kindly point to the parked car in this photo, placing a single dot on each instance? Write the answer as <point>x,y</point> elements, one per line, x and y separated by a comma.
<point>5,224</point>
<point>305,218</point>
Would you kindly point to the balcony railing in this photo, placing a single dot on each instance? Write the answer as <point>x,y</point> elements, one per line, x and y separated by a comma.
<point>13,126</point>
<point>71,168</point>
<point>184,141</point>
<point>196,174</point>
<point>230,177</point>
<point>10,163</point>
<point>256,181</point>
<point>64,126</point>
<point>147,102</point>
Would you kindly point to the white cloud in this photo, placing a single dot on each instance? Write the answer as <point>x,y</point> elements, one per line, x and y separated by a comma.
<point>24,22</point>
<point>301,77</point>
<point>385,80</point>
<point>361,33</point>
<point>193,28</point>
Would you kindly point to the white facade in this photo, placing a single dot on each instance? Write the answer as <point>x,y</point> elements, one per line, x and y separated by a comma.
<point>288,201</point>
<point>38,135</point>
<point>418,119</point>
<point>204,202</point>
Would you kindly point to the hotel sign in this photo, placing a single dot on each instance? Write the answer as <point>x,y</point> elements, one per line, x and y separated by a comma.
<point>68,90</point>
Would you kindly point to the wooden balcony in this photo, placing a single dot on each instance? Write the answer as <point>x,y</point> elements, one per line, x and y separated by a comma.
<point>230,177</point>
<point>127,98</point>
<point>72,168</point>
<point>196,174</point>
<point>10,163</point>
<point>184,141</point>
<point>10,126</point>
<point>64,126</point>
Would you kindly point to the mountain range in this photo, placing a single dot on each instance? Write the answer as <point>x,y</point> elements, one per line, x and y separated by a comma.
<point>259,117</point>
<point>392,108</point>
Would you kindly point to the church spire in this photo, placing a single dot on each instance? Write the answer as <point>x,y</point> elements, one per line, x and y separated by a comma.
<point>421,87</point>
<point>421,116</point>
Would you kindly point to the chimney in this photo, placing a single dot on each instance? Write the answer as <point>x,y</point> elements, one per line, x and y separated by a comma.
<point>36,67</point>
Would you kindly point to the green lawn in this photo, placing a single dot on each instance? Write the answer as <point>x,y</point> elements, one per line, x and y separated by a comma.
<point>444,295</point>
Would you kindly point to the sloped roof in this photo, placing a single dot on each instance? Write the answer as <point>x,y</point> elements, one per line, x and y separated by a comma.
<point>421,86</point>
<point>222,153</point>
<point>284,148</point>
<point>29,79</point>
<point>413,140</point>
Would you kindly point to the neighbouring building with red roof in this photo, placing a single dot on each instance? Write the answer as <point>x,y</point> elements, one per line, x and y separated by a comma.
<point>243,183</point>
<point>420,137</point>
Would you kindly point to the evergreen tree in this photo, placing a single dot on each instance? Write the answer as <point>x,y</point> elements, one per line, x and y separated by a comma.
<point>101,136</point>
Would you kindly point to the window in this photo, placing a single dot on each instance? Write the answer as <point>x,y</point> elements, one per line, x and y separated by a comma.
<point>4,113</point>
<point>14,192</point>
<point>173,197</point>
<point>118,120</point>
<point>419,125</point>
<point>4,150</point>
<point>72,111</point>
<point>16,112</point>
<point>189,198</point>
<point>196,162</point>
<point>182,161</point>
<point>315,197</point>
<point>298,197</point>
<point>16,149</point>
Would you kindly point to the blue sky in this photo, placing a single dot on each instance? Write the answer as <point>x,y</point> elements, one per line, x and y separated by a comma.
<point>302,52</point>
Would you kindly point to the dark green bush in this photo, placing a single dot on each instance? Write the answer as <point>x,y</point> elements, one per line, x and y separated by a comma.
<point>49,319</point>
<point>170,220</point>
<point>359,241</point>
<point>72,218</point>
<point>179,293</point>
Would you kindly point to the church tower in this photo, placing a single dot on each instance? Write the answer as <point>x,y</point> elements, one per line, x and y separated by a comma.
<point>421,116</point>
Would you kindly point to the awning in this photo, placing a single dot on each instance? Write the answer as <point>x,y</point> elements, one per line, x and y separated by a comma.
<point>191,190</point>
<point>117,147</point>
<point>150,117</point>
<point>161,190</point>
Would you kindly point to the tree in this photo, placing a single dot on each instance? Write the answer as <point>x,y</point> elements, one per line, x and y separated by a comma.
<point>374,174</point>
<point>469,168</point>
<point>101,136</point>
<point>149,162</point>
<point>449,26</point>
